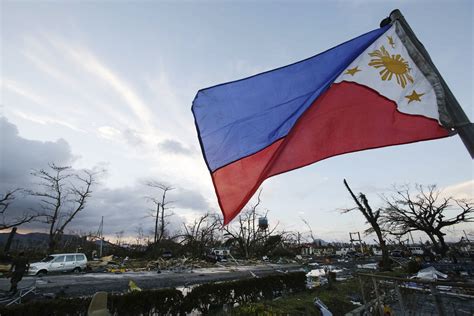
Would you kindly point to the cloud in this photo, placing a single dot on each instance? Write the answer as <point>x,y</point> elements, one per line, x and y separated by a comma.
<point>132,137</point>
<point>128,136</point>
<point>19,156</point>
<point>244,68</point>
<point>174,147</point>
<point>35,48</point>
<point>98,88</point>
<point>24,92</point>
<point>96,67</point>
<point>126,208</point>
<point>109,132</point>
<point>58,67</point>
<point>43,120</point>
<point>123,208</point>
<point>188,199</point>
<point>171,106</point>
<point>463,190</point>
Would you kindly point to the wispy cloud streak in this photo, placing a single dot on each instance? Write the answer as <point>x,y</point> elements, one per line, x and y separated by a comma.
<point>93,65</point>
<point>43,120</point>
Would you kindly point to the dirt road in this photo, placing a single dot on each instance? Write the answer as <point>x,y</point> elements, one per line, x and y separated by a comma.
<point>89,283</point>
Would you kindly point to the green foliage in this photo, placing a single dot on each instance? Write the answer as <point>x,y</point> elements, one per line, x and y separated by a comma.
<point>282,252</point>
<point>70,307</point>
<point>163,302</point>
<point>206,296</point>
<point>412,267</point>
<point>202,298</point>
<point>336,298</point>
<point>271,243</point>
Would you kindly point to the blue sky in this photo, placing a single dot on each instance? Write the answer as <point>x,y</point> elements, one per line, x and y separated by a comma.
<point>116,80</point>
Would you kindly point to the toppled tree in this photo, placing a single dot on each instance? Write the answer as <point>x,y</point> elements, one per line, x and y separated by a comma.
<point>374,219</point>
<point>201,234</point>
<point>159,212</point>
<point>63,194</point>
<point>245,233</point>
<point>8,221</point>
<point>426,211</point>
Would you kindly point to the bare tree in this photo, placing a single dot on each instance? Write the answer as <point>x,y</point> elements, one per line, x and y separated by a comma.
<point>426,211</point>
<point>246,232</point>
<point>140,235</point>
<point>6,221</point>
<point>159,212</point>
<point>313,240</point>
<point>292,238</point>
<point>201,234</point>
<point>374,219</point>
<point>63,194</point>
<point>119,237</point>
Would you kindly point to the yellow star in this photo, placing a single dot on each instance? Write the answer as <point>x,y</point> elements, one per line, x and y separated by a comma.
<point>391,42</point>
<point>414,96</point>
<point>352,71</point>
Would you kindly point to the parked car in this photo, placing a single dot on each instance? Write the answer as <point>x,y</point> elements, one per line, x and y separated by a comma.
<point>397,253</point>
<point>167,254</point>
<point>377,252</point>
<point>354,254</point>
<point>63,262</point>
<point>416,251</point>
<point>217,255</point>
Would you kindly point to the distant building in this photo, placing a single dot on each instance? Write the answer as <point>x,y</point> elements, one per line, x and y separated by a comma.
<point>344,251</point>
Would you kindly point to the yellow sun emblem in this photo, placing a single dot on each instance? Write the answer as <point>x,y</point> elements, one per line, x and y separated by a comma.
<point>392,65</point>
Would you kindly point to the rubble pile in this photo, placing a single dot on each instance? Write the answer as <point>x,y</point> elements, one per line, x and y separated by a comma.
<point>114,264</point>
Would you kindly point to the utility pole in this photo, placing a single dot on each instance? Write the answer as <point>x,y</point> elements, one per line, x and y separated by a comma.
<point>9,240</point>
<point>155,240</point>
<point>467,239</point>
<point>100,235</point>
<point>411,236</point>
<point>358,240</point>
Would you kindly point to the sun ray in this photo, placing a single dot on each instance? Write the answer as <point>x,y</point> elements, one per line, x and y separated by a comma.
<point>392,65</point>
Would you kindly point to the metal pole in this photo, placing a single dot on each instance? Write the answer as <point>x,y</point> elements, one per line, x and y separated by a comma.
<point>378,298</point>
<point>461,122</point>
<point>412,241</point>
<point>156,222</point>
<point>9,240</point>
<point>363,293</point>
<point>438,301</point>
<point>467,239</point>
<point>101,245</point>
<point>360,242</point>
<point>400,298</point>
<point>101,235</point>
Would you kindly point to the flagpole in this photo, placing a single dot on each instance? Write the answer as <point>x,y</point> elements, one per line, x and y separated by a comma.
<point>461,122</point>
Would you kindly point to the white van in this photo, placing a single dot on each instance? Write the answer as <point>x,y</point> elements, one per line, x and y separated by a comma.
<point>377,252</point>
<point>416,251</point>
<point>63,262</point>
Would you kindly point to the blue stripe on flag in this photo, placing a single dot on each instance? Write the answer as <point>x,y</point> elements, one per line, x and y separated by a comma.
<point>240,118</point>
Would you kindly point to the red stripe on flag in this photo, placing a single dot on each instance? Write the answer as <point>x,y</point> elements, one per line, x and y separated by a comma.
<point>347,118</point>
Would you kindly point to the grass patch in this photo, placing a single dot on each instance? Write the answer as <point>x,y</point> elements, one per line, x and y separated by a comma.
<point>337,299</point>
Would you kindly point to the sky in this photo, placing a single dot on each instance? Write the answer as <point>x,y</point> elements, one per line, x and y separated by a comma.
<point>110,84</point>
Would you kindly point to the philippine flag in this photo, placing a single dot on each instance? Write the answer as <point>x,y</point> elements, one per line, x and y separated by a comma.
<point>373,91</point>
